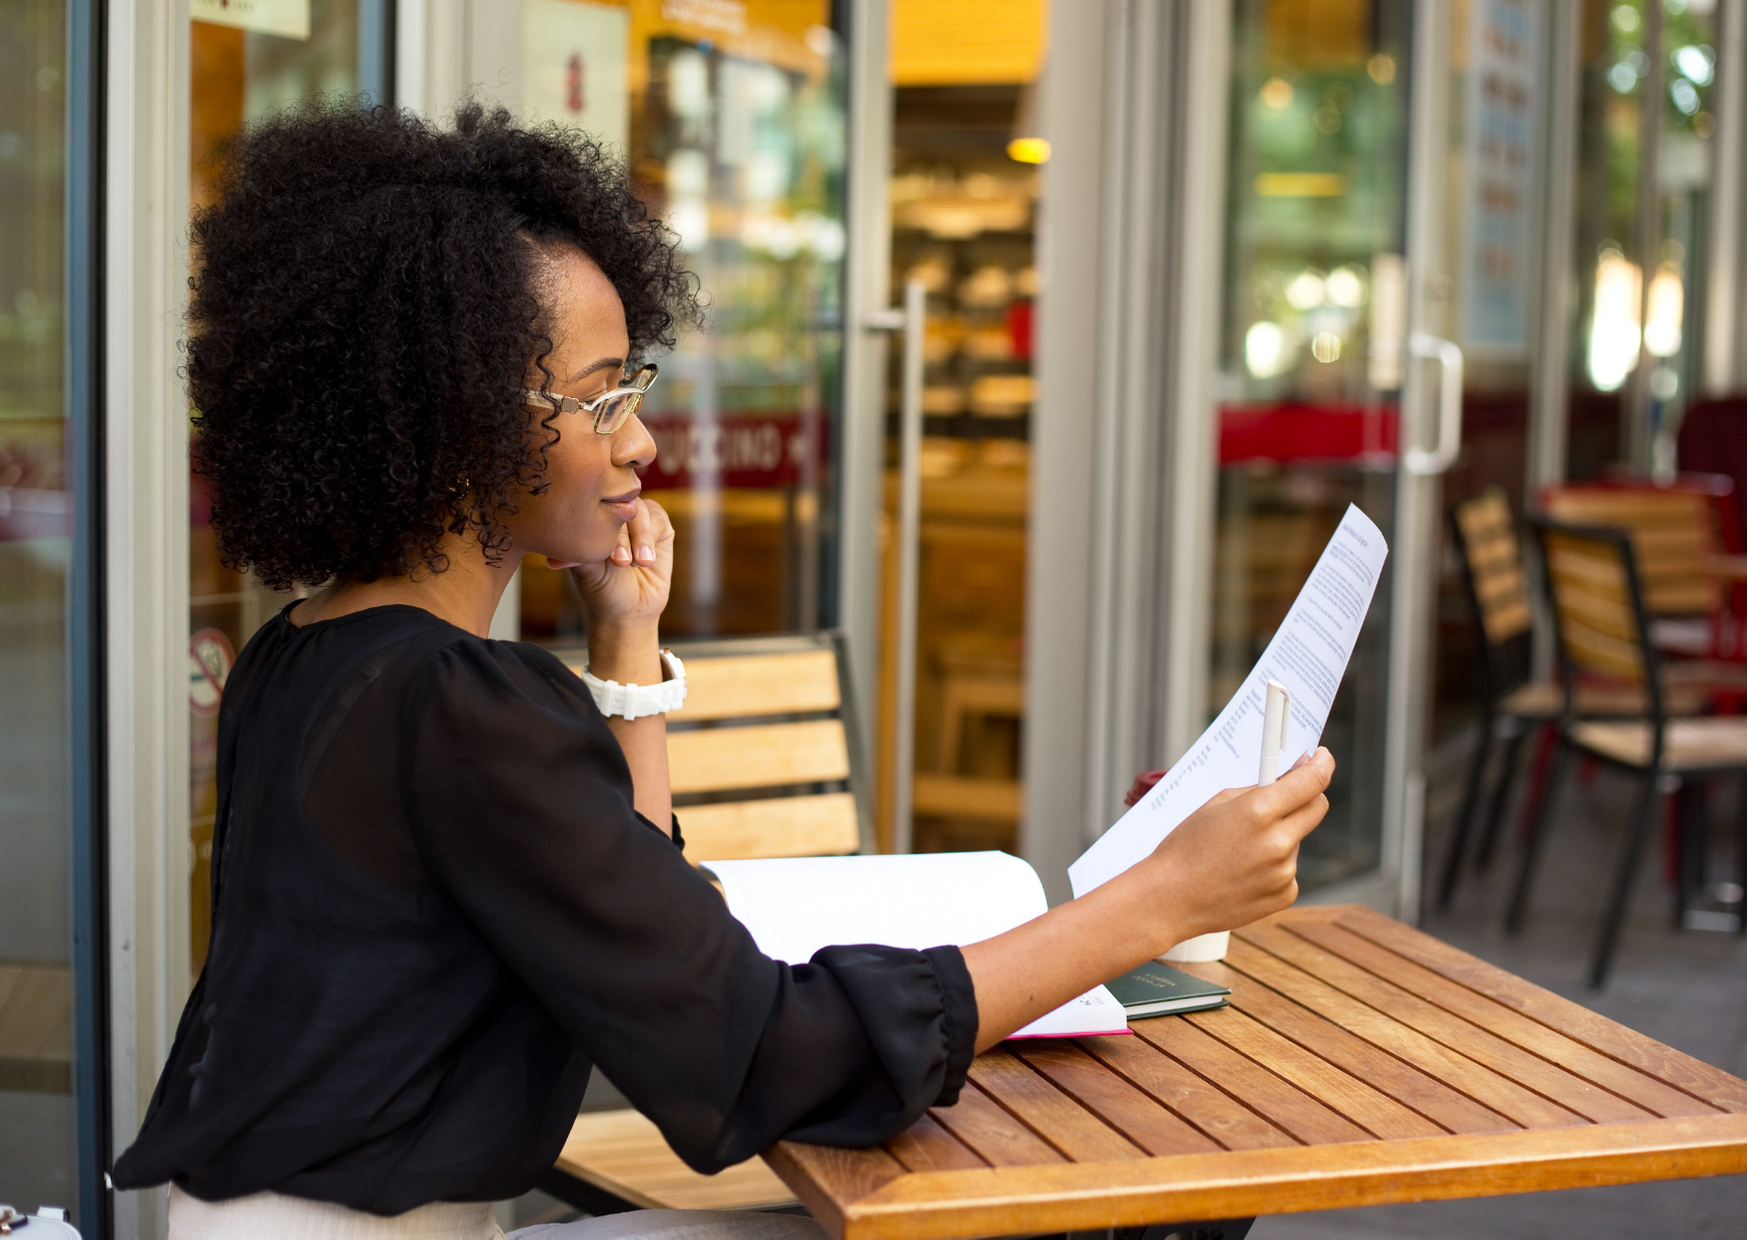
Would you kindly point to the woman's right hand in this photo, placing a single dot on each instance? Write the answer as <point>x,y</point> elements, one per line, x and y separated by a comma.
<point>1231,862</point>
<point>1235,860</point>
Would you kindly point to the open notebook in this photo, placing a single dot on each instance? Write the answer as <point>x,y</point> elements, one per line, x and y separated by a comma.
<point>795,906</point>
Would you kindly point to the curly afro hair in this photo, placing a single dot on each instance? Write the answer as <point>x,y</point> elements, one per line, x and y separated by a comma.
<point>363,321</point>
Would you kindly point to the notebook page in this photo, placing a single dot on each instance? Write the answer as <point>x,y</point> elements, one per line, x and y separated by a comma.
<point>1308,654</point>
<point>793,906</point>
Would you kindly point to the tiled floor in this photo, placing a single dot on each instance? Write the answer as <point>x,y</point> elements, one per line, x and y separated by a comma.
<point>1686,989</point>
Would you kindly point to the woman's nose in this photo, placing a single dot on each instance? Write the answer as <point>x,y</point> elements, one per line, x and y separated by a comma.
<point>633,445</point>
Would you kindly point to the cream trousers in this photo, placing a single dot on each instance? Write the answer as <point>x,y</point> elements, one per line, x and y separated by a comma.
<point>272,1216</point>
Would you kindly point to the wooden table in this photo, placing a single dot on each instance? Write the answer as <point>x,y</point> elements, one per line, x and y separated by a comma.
<point>1360,1062</point>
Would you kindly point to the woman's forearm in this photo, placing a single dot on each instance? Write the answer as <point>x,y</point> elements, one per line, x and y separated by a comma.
<point>1231,862</point>
<point>1037,967</point>
<point>634,657</point>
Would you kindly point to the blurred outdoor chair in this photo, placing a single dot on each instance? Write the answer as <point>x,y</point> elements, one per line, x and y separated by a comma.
<point>1603,621</point>
<point>764,763</point>
<point>1512,703</point>
<point>1678,533</point>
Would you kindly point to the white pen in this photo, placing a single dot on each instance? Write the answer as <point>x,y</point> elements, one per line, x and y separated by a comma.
<point>1274,730</point>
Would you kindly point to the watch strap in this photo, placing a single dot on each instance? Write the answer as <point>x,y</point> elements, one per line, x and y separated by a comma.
<point>634,701</point>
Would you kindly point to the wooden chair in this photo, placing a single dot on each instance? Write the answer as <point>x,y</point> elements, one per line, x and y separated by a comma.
<point>1676,538</point>
<point>1512,704</point>
<point>1603,625</point>
<point>765,762</point>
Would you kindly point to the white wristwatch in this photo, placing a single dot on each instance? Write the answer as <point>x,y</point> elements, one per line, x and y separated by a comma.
<point>639,701</point>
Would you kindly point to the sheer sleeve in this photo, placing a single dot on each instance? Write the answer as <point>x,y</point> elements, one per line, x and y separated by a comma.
<point>520,804</point>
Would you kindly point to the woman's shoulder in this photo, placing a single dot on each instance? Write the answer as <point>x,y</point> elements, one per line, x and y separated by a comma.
<point>420,651</point>
<point>465,664</point>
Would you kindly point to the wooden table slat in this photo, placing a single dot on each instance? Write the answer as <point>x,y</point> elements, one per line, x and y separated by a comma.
<point>1047,1111</point>
<point>1214,1112</point>
<point>1635,1086</point>
<point>1522,1106</point>
<point>1376,1112</point>
<point>1281,1104</point>
<point>999,1139</point>
<point>1424,1094</point>
<point>1137,1114</point>
<point>1573,1093</point>
<point>926,1146</point>
<point>1595,1031</point>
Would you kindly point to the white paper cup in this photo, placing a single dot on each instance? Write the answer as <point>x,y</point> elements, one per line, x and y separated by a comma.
<point>1202,949</point>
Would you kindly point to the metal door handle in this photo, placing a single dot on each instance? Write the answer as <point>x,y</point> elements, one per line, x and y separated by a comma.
<point>1448,355</point>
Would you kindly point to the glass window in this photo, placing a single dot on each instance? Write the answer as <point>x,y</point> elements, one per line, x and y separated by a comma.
<point>1310,369</point>
<point>1644,169</point>
<point>246,61</point>
<point>38,1148</point>
<point>731,117</point>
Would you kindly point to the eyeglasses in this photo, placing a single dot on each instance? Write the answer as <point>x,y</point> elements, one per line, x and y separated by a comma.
<point>611,409</point>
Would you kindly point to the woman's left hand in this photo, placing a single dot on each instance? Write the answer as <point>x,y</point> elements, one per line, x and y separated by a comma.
<point>628,589</point>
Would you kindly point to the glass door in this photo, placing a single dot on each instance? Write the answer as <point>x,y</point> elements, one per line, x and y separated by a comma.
<point>965,180</point>
<point>247,61</point>
<point>1339,304</point>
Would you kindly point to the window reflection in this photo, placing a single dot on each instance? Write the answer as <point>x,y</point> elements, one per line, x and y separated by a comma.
<point>731,118</point>
<point>37,1145</point>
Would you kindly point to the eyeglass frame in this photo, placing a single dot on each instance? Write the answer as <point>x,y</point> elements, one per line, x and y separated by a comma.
<point>637,389</point>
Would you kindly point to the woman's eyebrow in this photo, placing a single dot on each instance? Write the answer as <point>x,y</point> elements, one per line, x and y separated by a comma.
<point>605,363</point>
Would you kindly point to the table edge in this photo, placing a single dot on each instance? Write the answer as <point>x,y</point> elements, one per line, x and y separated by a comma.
<point>942,1205</point>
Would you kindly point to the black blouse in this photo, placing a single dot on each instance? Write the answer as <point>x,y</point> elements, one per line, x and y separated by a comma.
<point>435,909</point>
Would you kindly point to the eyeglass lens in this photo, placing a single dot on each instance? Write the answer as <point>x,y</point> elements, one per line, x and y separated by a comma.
<point>616,411</point>
<point>619,407</point>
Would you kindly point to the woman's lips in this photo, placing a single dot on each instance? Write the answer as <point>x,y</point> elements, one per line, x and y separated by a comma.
<point>624,506</point>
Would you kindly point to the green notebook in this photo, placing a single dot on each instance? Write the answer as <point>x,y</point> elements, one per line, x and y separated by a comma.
<point>1155,990</point>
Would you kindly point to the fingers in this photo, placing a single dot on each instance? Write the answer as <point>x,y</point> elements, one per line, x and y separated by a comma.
<point>1306,818</point>
<point>640,536</point>
<point>1296,786</point>
<point>621,554</point>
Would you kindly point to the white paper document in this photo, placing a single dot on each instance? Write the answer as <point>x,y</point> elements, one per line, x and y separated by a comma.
<point>1308,655</point>
<point>794,906</point>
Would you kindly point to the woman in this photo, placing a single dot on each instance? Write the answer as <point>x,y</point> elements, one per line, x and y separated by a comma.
<point>445,887</point>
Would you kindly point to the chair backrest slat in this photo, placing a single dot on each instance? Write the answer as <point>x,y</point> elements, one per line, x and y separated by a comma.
<point>744,686</point>
<point>1672,534</point>
<point>758,756</point>
<point>1495,565</point>
<point>802,826</point>
<point>1592,600</point>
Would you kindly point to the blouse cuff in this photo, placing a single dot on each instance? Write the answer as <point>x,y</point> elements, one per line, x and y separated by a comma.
<point>674,835</point>
<point>958,1004</point>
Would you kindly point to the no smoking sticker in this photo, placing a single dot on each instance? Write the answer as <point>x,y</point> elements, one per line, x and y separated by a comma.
<point>210,656</point>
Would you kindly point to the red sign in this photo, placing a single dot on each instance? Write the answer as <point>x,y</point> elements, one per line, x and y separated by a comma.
<point>1290,432</point>
<point>758,451</point>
